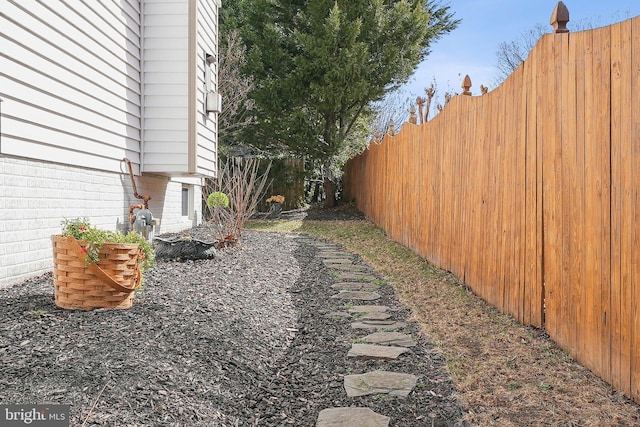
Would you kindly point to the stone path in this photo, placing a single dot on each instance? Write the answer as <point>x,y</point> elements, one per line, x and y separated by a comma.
<point>382,339</point>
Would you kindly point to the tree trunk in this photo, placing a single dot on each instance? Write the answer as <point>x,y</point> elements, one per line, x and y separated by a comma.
<point>329,193</point>
<point>316,193</point>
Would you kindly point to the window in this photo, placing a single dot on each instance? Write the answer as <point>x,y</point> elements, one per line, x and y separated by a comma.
<point>185,201</point>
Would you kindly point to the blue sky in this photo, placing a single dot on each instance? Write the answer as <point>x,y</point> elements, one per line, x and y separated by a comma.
<point>471,48</point>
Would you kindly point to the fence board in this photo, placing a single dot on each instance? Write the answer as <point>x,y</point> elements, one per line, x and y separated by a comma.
<point>635,210</point>
<point>603,108</point>
<point>571,199</point>
<point>533,312</point>
<point>520,110</point>
<point>622,220</point>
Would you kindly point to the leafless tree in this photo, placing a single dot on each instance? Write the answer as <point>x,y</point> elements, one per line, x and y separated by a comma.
<point>234,86</point>
<point>512,53</point>
<point>431,92</point>
<point>395,106</point>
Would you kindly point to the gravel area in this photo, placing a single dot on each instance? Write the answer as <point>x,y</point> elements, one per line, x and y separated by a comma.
<point>238,340</point>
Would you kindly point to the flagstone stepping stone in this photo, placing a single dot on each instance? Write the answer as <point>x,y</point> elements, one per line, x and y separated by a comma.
<point>390,338</point>
<point>338,261</point>
<point>376,315</point>
<point>355,286</point>
<point>373,351</point>
<point>383,327</point>
<point>351,417</point>
<point>379,321</point>
<point>357,295</point>
<point>331,253</point>
<point>367,308</point>
<point>357,276</point>
<point>348,267</point>
<point>337,314</point>
<point>380,382</point>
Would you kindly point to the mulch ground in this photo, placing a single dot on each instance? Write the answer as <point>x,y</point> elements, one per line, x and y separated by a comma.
<point>237,340</point>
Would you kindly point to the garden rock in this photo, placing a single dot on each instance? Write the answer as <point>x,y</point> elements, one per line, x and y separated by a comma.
<point>390,338</point>
<point>376,315</point>
<point>357,295</point>
<point>352,417</point>
<point>372,351</point>
<point>368,308</point>
<point>387,326</point>
<point>380,382</point>
<point>355,286</point>
<point>357,276</point>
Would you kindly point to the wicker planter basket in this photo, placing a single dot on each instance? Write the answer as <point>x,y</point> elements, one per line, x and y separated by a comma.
<point>108,283</point>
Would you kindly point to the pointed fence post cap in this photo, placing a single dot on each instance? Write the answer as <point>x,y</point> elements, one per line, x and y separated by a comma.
<point>466,85</point>
<point>559,18</point>
<point>413,118</point>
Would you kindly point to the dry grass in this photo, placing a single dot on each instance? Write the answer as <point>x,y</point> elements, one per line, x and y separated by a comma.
<point>507,374</point>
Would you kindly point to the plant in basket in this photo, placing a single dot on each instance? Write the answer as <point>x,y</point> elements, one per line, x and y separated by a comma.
<point>82,230</point>
<point>95,268</point>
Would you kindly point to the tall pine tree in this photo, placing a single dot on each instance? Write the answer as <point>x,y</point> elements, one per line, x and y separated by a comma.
<point>319,64</point>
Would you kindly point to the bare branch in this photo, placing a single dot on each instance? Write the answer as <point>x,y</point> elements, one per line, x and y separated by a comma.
<point>235,87</point>
<point>241,181</point>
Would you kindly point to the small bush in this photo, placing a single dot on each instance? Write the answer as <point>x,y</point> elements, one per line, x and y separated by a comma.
<point>218,199</point>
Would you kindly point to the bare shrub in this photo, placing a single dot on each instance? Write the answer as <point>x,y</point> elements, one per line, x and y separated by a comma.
<point>242,183</point>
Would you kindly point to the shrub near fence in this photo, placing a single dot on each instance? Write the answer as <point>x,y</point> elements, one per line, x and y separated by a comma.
<point>530,194</point>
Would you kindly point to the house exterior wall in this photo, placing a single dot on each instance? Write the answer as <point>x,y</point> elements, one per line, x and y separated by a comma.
<point>36,195</point>
<point>179,135</point>
<point>71,82</point>
<point>76,100</point>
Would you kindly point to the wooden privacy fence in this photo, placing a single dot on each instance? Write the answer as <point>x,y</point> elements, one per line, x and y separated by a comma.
<point>531,194</point>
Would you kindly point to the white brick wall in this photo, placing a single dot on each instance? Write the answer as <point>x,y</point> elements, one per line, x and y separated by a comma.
<point>35,196</point>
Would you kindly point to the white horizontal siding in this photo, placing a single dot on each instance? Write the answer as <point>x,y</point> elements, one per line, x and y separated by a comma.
<point>207,124</point>
<point>165,61</point>
<point>71,81</point>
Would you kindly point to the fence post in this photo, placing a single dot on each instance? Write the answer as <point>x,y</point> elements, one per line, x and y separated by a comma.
<point>559,18</point>
<point>420,101</point>
<point>412,115</point>
<point>466,85</point>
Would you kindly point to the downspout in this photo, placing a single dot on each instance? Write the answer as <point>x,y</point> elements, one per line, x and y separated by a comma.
<point>142,86</point>
<point>192,97</point>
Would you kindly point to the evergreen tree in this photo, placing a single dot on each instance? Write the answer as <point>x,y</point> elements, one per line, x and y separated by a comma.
<point>318,65</point>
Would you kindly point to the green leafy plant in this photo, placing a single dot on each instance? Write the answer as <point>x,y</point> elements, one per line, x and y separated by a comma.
<point>39,313</point>
<point>94,238</point>
<point>218,199</point>
<point>513,385</point>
